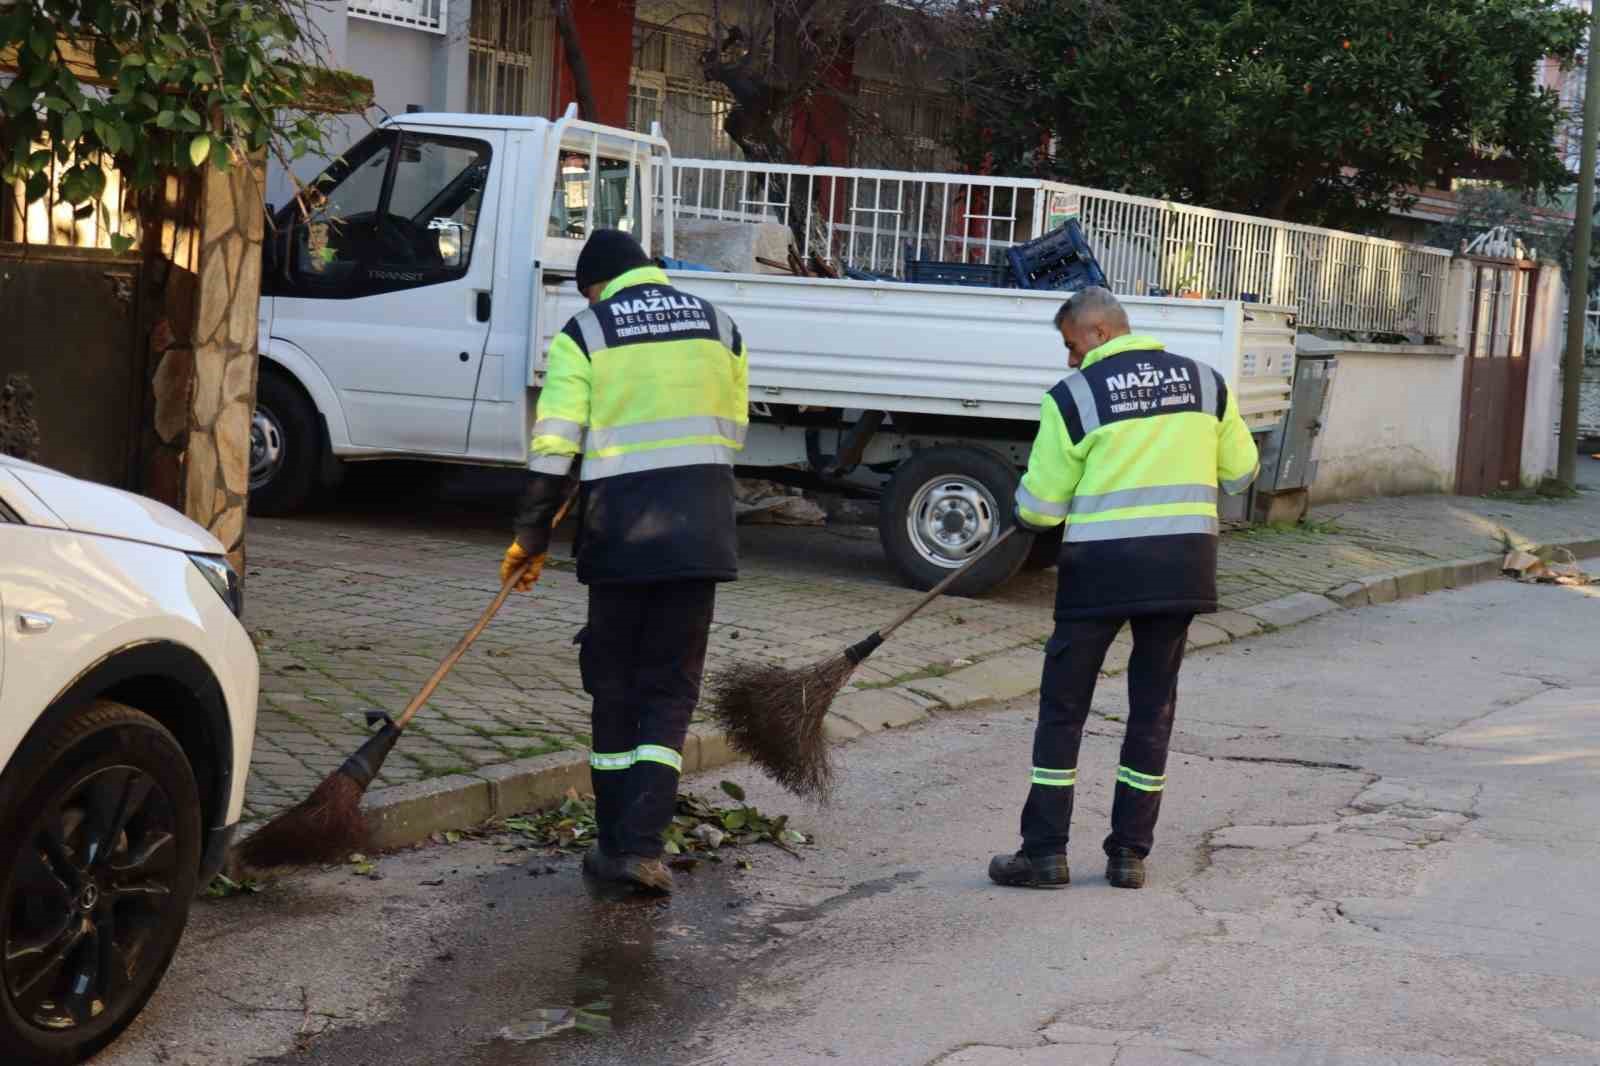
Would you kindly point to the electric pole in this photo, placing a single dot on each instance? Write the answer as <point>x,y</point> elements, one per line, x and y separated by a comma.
<point>1578,298</point>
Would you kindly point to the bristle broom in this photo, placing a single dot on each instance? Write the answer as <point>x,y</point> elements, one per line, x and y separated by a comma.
<point>327,825</point>
<point>774,715</point>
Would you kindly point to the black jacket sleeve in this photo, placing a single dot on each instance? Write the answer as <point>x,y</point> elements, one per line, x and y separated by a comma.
<point>537,510</point>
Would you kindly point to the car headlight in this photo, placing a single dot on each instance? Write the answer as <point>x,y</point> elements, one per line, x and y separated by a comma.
<point>223,578</point>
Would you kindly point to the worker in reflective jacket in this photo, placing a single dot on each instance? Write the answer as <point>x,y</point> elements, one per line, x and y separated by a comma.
<point>1131,452</point>
<point>648,386</point>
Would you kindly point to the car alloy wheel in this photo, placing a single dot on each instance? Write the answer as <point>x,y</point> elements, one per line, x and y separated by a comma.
<point>91,894</point>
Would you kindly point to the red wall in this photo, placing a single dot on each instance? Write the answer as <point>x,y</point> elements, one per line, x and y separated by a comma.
<point>819,132</point>
<point>605,29</point>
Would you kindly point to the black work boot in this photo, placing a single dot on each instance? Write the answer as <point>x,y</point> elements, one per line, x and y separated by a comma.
<point>1124,868</point>
<point>650,875</point>
<point>1022,871</point>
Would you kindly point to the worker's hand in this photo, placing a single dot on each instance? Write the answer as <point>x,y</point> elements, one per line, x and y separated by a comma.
<point>513,561</point>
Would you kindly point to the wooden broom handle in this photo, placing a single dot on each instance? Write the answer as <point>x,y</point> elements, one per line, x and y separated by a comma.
<point>474,633</point>
<point>939,589</point>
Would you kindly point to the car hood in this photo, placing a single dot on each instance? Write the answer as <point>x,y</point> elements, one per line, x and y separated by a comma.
<point>86,507</point>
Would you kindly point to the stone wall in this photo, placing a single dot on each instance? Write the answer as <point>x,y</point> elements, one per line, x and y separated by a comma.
<point>203,253</point>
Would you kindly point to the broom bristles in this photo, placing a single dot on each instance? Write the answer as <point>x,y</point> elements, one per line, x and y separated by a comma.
<point>326,826</point>
<point>774,715</point>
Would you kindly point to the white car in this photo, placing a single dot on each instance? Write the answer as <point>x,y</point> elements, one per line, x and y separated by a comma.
<point>127,716</point>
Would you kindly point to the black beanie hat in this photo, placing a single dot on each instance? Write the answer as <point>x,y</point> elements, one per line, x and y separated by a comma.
<point>608,254</point>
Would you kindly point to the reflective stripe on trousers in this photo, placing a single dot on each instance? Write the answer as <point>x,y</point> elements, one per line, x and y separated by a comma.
<point>622,760</point>
<point>1142,782</point>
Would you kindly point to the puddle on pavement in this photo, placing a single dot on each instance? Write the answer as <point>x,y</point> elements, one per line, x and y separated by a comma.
<point>550,971</point>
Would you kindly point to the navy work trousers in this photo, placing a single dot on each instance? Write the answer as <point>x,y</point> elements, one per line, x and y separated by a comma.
<point>642,659</point>
<point>1072,664</point>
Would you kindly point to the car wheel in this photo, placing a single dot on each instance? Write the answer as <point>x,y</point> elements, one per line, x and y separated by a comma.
<point>942,507</point>
<point>100,845</point>
<point>285,447</point>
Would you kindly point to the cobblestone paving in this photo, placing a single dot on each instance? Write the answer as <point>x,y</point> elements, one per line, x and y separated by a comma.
<point>352,612</point>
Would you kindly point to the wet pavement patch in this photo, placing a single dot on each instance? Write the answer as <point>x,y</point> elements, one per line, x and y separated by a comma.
<point>555,970</point>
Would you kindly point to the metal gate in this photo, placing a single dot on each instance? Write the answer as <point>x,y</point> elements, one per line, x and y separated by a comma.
<point>1494,391</point>
<point>72,327</point>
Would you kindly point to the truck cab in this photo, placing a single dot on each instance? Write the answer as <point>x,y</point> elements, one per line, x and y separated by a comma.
<point>398,313</point>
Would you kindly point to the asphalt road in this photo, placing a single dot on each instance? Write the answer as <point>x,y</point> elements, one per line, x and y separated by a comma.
<point>1378,847</point>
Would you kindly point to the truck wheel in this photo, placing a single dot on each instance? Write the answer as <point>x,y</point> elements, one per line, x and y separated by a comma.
<point>942,507</point>
<point>285,448</point>
<point>1045,551</point>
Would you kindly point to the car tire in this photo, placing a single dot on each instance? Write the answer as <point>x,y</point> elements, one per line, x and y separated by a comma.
<point>285,447</point>
<point>941,507</point>
<point>1045,551</point>
<point>85,903</point>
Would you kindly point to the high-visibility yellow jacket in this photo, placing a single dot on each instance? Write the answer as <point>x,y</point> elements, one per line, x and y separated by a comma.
<point>1130,454</point>
<point>650,387</point>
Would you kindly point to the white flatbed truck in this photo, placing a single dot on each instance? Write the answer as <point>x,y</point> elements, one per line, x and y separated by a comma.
<point>409,317</point>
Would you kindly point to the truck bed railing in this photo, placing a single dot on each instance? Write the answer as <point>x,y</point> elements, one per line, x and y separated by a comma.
<point>874,220</point>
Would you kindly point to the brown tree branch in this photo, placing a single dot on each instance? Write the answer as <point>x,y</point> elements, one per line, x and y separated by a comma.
<point>577,62</point>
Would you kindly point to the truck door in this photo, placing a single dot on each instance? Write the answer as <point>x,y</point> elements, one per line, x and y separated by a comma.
<point>388,284</point>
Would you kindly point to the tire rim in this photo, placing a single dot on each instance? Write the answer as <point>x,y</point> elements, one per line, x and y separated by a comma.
<point>951,518</point>
<point>89,898</point>
<point>266,447</point>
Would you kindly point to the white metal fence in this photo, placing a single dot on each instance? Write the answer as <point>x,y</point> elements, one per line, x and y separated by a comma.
<point>874,221</point>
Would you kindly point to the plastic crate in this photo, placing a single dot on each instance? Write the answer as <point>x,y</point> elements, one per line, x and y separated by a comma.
<point>666,263</point>
<point>1060,260</point>
<point>978,275</point>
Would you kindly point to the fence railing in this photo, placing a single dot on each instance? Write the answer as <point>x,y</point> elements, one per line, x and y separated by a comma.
<point>873,221</point>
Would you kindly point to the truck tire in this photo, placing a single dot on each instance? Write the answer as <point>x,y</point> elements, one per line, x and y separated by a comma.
<point>285,447</point>
<point>942,506</point>
<point>1046,550</point>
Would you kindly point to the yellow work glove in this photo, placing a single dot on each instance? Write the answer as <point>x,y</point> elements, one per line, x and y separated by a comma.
<point>514,559</point>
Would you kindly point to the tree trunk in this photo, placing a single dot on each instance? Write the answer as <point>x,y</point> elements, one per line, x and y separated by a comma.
<point>576,62</point>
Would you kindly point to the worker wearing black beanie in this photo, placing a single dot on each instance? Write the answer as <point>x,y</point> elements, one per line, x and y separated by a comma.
<point>645,397</point>
<point>609,254</point>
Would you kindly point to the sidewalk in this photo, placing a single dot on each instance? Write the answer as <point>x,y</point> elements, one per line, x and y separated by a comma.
<point>352,612</point>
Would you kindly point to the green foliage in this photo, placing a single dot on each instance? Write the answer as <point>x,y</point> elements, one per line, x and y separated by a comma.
<point>699,827</point>
<point>1319,111</point>
<point>173,86</point>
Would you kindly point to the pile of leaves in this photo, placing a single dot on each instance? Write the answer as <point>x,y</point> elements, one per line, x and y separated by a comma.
<point>700,827</point>
<point>1546,566</point>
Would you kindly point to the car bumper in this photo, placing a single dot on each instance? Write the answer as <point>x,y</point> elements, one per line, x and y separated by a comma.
<point>218,841</point>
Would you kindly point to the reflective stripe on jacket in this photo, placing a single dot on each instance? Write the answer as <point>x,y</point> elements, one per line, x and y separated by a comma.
<point>1131,453</point>
<point>650,387</point>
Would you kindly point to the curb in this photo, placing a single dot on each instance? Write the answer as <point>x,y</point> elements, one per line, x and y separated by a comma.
<point>409,814</point>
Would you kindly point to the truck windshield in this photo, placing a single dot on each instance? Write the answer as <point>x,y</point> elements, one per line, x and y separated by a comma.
<point>614,194</point>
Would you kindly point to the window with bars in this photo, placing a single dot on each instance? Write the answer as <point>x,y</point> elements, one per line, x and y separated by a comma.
<point>897,128</point>
<point>429,15</point>
<point>668,86</point>
<point>511,65</point>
